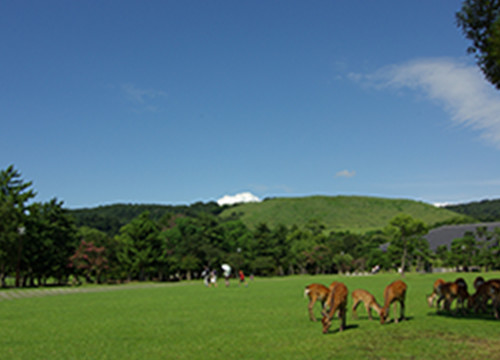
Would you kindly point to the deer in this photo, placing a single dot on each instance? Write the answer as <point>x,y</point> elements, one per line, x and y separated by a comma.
<point>393,293</point>
<point>450,291</point>
<point>495,296</point>
<point>337,301</point>
<point>484,292</point>
<point>368,300</point>
<point>461,282</point>
<point>316,292</point>
<point>435,294</point>
<point>478,282</point>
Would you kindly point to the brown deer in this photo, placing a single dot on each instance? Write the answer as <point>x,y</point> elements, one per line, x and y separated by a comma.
<point>394,292</point>
<point>434,295</point>
<point>368,300</point>
<point>461,282</point>
<point>316,292</point>
<point>478,282</point>
<point>337,301</point>
<point>489,290</point>
<point>450,291</point>
<point>495,296</point>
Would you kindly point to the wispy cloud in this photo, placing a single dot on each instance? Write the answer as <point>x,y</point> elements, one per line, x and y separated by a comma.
<point>459,88</point>
<point>145,98</point>
<point>346,173</point>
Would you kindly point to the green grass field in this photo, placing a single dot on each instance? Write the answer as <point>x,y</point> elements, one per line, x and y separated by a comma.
<point>267,320</point>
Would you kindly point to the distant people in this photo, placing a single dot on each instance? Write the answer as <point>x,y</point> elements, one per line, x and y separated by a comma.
<point>213,278</point>
<point>227,273</point>
<point>206,276</point>
<point>375,269</point>
<point>242,278</point>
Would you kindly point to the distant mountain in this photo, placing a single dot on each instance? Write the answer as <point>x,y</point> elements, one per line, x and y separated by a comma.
<point>486,210</point>
<point>339,213</point>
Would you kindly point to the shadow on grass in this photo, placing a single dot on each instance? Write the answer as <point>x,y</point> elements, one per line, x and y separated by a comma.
<point>347,327</point>
<point>463,316</point>
<point>391,321</point>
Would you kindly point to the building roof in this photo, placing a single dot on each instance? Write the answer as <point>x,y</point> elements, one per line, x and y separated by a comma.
<point>446,234</point>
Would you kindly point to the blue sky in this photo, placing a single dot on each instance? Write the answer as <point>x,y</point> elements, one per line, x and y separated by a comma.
<point>173,102</point>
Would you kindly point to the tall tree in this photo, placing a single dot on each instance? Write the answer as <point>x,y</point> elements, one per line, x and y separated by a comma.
<point>404,229</point>
<point>139,247</point>
<point>480,23</point>
<point>14,195</point>
<point>464,251</point>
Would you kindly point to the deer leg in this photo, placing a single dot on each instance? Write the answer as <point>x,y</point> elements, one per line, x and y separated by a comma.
<point>342,314</point>
<point>394,309</point>
<point>440,299</point>
<point>369,311</point>
<point>430,299</point>
<point>311,314</point>
<point>495,304</point>
<point>354,306</point>
<point>447,304</point>
<point>402,307</point>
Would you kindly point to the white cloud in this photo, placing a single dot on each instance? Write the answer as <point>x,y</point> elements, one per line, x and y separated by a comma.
<point>441,204</point>
<point>142,97</point>
<point>345,173</point>
<point>459,88</point>
<point>238,198</point>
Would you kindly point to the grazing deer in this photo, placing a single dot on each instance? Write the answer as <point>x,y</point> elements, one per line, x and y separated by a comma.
<point>450,291</point>
<point>495,296</point>
<point>394,292</point>
<point>368,300</point>
<point>337,301</point>
<point>461,282</point>
<point>489,290</point>
<point>316,292</point>
<point>435,294</point>
<point>478,282</point>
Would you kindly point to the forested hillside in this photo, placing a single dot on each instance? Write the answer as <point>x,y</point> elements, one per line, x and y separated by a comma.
<point>111,218</point>
<point>486,210</point>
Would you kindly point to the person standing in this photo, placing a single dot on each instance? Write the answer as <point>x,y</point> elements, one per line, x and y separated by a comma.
<point>242,278</point>
<point>227,273</point>
<point>213,278</point>
<point>206,276</point>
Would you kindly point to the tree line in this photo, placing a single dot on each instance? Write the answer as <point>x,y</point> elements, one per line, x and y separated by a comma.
<point>40,243</point>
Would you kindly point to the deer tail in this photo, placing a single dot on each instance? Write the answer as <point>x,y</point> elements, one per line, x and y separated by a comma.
<point>306,292</point>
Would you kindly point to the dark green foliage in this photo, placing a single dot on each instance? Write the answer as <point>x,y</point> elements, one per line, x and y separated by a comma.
<point>480,23</point>
<point>110,218</point>
<point>14,195</point>
<point>48,243</point>
<point>486,210</point>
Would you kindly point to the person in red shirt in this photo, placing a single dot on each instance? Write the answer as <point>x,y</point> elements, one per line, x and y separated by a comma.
<point>242,278</point>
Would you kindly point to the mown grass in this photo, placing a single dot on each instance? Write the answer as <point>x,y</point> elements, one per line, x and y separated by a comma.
<point>337,213</point>
<point>267,320</point>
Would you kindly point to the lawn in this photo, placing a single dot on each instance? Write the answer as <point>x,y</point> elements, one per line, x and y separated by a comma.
<point>266,320</point>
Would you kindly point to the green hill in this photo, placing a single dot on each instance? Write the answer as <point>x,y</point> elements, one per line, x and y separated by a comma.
<point>338,213</point>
